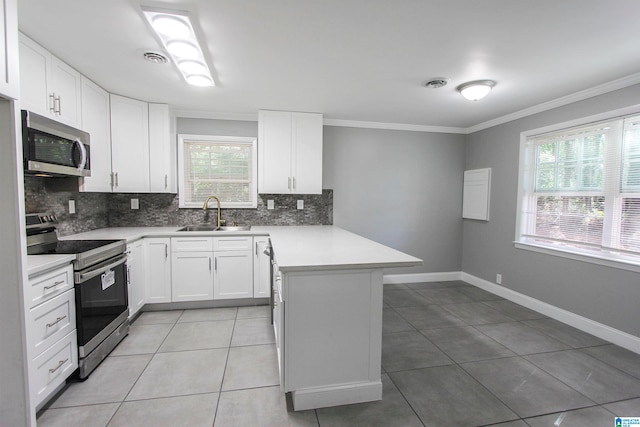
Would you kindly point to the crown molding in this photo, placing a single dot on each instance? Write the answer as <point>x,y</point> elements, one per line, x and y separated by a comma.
<point>545,106</point>
<point>392,126</point>
<point>559,102</point>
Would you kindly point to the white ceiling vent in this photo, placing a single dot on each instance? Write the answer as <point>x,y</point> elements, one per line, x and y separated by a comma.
<point>156,57</point>
<point>437,82</point>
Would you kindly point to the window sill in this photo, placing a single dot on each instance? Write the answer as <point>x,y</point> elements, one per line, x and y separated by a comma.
<point>621,262</point>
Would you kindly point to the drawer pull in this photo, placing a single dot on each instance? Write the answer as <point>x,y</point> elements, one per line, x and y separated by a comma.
<point>60,363</point>
<point>58,320</point>
<point>46,288</point>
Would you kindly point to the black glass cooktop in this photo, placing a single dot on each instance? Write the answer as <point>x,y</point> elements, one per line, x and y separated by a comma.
<point>79,246</point>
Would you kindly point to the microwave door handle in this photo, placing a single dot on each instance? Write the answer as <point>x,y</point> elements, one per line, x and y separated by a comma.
<point>83,154</point>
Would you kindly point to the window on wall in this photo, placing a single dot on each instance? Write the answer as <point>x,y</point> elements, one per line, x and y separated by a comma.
<point>222,166</point>
<point>580,191</point>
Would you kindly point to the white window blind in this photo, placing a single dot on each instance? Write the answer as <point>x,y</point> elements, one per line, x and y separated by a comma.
<point>582,189</point>
<point>220,166</point>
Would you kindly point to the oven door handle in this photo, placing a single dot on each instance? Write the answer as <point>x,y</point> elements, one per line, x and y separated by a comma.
<point>83,277</point>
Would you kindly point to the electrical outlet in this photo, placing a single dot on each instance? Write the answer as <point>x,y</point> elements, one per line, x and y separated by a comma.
<point>270,204</point>
<point>300,204</point>
<point>499,279</point>
<point>135,203</point>
<point>72,206</point>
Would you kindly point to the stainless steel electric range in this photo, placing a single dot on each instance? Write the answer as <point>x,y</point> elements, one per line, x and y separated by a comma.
<point>100,283</point>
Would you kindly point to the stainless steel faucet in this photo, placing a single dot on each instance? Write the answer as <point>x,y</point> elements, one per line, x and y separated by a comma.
<point>206,206</point>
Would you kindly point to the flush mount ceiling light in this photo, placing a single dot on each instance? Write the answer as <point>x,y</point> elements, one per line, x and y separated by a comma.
<point>476,90</point>
<point>176,33</point>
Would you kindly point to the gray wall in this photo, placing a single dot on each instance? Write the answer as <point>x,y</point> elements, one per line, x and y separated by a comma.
<point>400,188</point>
<point>606,295</point>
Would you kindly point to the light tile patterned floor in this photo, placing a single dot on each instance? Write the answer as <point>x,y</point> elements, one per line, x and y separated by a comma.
<point>452,355</point>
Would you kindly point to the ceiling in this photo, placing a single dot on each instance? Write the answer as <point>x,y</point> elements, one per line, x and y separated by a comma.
<point>354,60</point>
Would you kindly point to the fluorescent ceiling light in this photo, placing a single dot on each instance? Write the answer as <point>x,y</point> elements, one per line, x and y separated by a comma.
<point>199,80</point>
<point>192,67</point>
<point>476,90</point>
<point>171,26</point>
<point>175,31</point>
<point>183,50</point>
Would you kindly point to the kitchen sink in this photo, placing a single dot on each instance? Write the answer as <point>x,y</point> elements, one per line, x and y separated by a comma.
<point>198,228</point>
<point>235,228</point>
<point>214,228</point>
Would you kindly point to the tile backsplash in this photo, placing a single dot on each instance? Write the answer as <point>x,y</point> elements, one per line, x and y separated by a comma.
<point>99,210</point>
<point>52,195</point>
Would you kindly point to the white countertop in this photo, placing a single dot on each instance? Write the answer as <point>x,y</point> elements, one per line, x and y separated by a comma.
<point>37,264</point>
<point>131,234</point>
<point>297,248</point>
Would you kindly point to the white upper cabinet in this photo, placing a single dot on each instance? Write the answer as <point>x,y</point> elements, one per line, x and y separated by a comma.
<point>67,93</point>
<point>306,153</point>
<point>48,86</point>
<point>95,121</point>
<point>9,83</point>
<point>142,153</point>
<point>162,175</point>
<point>129,145</point>
<point>289,152</point>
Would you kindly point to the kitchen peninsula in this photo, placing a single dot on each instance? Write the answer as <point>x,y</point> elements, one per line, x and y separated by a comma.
<point>327,307</point>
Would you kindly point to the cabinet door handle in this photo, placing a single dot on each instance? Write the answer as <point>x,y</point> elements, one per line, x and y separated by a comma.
<point>166,251</point>
<point>57,99</point>
<point>46,288</point>
<point>209,263</point>
<point>60,363</point>
<point>58,320</point>
<point>289,183</point>
<point>215,264</point>
<point>294,182</point>
<point>256,248</point>
<point>116,179</point>
<point>52,102</point>
<point>166,181</point>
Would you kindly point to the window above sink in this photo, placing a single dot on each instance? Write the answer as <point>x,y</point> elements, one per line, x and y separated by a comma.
<point>222,165</point>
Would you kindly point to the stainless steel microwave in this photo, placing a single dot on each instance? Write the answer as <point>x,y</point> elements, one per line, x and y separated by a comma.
<point>51,148</point>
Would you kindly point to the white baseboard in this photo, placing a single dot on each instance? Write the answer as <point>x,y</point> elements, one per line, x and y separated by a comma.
<point>607,333</point>
<point>339,394</point>
<point>446,276</point>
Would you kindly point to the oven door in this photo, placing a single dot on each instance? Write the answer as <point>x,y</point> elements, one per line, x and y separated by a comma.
<point>101,302</point>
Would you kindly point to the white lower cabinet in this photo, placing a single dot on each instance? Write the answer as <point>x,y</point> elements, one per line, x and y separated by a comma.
<point>53,367</point>
<point>157,252</point>
<point>51,333</point>
<point>233,267</point>
<point>278,325</point>
<point>191,276</point>
<point>136,276</point>
<point>261,268</point>
<point>233,276</point>
<point>201,268</point>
